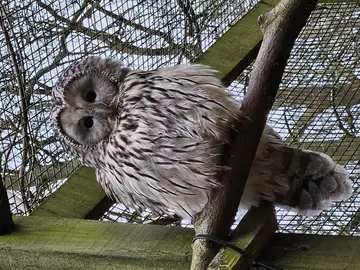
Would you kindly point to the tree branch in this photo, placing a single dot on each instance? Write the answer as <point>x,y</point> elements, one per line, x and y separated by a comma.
<point>280,27</point>
<point>52,12</point>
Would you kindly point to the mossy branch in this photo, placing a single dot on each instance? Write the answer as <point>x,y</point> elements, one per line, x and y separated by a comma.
<point>280,26</point>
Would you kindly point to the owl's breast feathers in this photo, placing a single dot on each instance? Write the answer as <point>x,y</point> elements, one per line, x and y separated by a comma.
<point>166,147</point>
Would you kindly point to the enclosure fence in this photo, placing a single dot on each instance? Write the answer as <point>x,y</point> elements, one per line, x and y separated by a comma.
<point>317,106</point>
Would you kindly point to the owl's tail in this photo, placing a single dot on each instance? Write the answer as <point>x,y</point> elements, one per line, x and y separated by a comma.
<point>303,181</point>
<point>316,181</point>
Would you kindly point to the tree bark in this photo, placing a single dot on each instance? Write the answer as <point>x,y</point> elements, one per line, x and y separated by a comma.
<point>280,26</point>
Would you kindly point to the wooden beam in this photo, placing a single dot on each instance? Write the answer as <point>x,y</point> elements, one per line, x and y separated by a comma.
<point>80,197</point>
<point>57,243</point>
<point>251,235</point>
<point>313,252</point>
<point>235,50</point>
<point>319,96</point>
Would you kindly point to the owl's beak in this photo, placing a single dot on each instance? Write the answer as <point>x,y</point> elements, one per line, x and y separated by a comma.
<point>111,112</point>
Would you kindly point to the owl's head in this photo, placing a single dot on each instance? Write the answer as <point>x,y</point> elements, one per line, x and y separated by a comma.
<point>86,99</point>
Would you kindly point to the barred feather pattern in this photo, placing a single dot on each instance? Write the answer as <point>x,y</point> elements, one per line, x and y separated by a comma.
<point>162,150</point>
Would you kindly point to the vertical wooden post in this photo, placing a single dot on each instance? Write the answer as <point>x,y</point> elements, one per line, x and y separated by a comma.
<point>6,222</point>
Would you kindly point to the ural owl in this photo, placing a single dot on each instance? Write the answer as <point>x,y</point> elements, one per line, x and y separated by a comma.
<point>156,138</point>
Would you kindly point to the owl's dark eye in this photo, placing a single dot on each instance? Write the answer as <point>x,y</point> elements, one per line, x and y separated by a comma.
<point>90,96</point>
<point>88,122</point>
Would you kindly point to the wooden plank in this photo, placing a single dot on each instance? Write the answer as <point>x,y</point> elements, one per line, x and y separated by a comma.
<point>80,197</point>
<point>57,243</point>
<point>251,235</point>
<point>313,252</point>
<point>235,50</point>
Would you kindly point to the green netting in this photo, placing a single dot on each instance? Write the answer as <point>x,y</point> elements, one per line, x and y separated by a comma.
<point>318,105</point>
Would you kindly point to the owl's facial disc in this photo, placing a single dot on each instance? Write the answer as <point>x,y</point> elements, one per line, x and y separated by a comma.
<point>89,117</point>
<point>86,127</point>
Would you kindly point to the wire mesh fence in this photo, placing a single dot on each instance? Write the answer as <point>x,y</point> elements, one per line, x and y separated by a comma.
<point>317,107</point>
<point>40,38</point>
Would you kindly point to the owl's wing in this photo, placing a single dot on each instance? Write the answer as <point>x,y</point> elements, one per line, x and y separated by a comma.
<point>300,180</point>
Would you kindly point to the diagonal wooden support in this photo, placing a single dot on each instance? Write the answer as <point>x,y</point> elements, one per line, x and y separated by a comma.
<point>235,50</point>
<point>80,197</point>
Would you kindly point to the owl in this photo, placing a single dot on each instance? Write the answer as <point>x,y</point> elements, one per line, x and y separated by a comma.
<point>156,140</point>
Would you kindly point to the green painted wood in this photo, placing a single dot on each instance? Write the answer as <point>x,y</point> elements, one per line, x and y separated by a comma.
<point>77,198</point>
<point>58,243</point>
<point>251,235</point>
<point>313,252</point>
<point>235,50</point>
